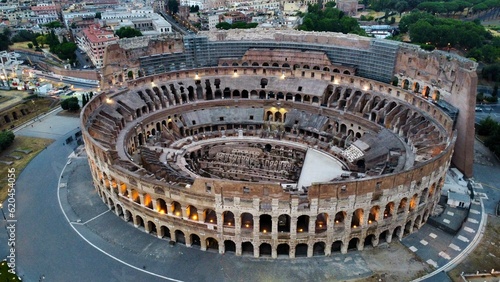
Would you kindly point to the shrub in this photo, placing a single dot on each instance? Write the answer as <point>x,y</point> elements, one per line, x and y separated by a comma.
<point>6,139</point>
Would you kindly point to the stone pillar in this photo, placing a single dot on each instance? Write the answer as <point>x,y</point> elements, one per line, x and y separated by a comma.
<point>200,216</point>
<point>172,234</point>
<point>388,237</point>
<point>238,248</point>
<point>274,252</point>
<point>274,224</point>
<point>184,213</point>
<point>312,226</point>
<point>256,250</point>
<point>141,199</point>
<point>343,249</point>
<point>154,204</point>
<point>160,232</point>
<point>328,248</point>
<point>293,225</point>
<point>291,253</point>
<point>203,244</point>
<point>310,250</point>
<point>188,240</point>
<point>237,223</point>
<point>256,227</point>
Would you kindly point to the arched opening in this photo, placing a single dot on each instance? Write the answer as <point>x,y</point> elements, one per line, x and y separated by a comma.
<point>382,238</point>
<point>228,218</point>
<point>321,222</point>
<point>416,223</point>
<point>337,246</point>
<point>416,87</point>
<point>246,220</point>
<point>229,246</point>
<point>389,210</point>
<point>265,250</point>
<point>247,249</point>
<point>265,223</point>
<point>192,213</point>
<point>284,223</point>
<point>298,98</point>
<point>373,216</point>
<point>353,244</point>
<point>165,231</point>
<point>135,197</point>
<point>148,203</point>
<point>406,84</point>
<point>369,240</point>
<point>195,240</point>
<point>152,228</point>
<point>402,205</point>
<point>179,237</point>
<point>303,224</point>
<point>128,216</point>
<point>423,196</point>
<point>139,222</point>
<point>413,202</point>
<point>176,209</point>
<point>408,228</point>
<point>283,250</point>
<point>319,249</point>
<point>357,218</point>
<point>300,250</point>
<point>210,216</point>
<point>396,232</point>
<point>212,244</point>
<point>244,94</point>
<point>262,94</point>
<point>339,218</point>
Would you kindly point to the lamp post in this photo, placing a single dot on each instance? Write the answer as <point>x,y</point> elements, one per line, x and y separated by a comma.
<point>3,214</point>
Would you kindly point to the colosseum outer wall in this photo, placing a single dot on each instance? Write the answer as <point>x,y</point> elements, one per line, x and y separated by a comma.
<point>456,79</point>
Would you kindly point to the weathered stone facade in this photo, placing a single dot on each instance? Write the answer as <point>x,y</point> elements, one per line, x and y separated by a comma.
<point>146,144</point>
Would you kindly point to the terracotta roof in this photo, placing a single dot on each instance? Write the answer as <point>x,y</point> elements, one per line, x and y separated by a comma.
<point>95,34</point>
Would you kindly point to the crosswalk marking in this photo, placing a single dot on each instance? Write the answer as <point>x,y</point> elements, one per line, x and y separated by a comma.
<point>444,255</point>
<point>413,249</point>
<point>433,236</point>
<point>455,247</point>
<point>431,262</point>
<point>475,211</point>
<point>450,213</point>
<point>471,220</point>
<point>470,230</point>
<point>463,239</point>
<point>446,221</point>
<point>423,242</point>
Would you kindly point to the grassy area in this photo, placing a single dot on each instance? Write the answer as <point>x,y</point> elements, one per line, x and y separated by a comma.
<point>485,255</point>
<point>40,106</point>
<point>23,143</point>
<point>5,275</point>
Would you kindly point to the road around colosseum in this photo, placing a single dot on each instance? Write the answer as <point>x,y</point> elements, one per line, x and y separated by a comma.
<point>105,248</point>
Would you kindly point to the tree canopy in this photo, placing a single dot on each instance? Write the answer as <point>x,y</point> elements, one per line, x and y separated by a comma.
<point>6,139</point>
<point>329,19</point>
<point>240,25</point>
<point>173,6</point>
<point>127,32</point>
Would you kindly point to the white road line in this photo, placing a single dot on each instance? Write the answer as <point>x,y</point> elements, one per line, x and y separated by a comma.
<point>413,249</point>
<point>423,242</point>
<point>471,220</point>
<point>455,247</point>
<point>444,255</point>
<point>463,239</point>
<point>79,223</point>
<point>446,221</point>
<point>431,262</point>
<point>101,250</point>
<point>470,230</point>
<point>450,213</point>
<point>475,211</point>
<point>433,236</point>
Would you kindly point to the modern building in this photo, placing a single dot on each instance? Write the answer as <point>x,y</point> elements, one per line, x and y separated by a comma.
<point>277,143</point>
<point>93,41</point>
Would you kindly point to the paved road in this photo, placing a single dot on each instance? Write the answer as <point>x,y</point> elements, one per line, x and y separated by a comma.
<point>483,111</point>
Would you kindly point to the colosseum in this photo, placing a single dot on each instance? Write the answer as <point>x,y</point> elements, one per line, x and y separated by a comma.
<point>277,143</point>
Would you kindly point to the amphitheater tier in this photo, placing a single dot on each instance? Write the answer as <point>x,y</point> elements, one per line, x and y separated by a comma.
<point>218,157</point>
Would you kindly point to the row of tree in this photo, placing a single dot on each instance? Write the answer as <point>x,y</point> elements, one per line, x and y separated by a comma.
<point>70,104</point>
<point>437,7</point>
<point>329,19</point>
<point>490,128</point>
<point>6,139</point>
<point>240,25</point>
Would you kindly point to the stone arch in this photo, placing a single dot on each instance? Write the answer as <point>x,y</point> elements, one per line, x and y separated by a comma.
<point>406,84</point>
<point>283,250</point>
<point>303,223</point>
<point>298,98</point>
<point>319,249</point>
<point>396,233</point>
<point>321,222</point>
<point>340,217</point>
<point>176,209</point>
<point>357,218</point>
<point>165,231</point>
<point>266,223</point>
<point>192,213</point>
<point>195,240</point>
<point>265,250</point>
<point>383,236</point>
<point>148,203</point>
<point>161,206</point>
<point>413,202</point>
<point>210,216</point>
<point>417,222</point>
<point>374,214</point>
<point>402,205</point>
<point>284,223</point>
<point>134,196</point>
<point>179,237</point>
<point>337,246</point>
<point>408,228</point>
<point>152,228</point>
<point>228,218</point>
<point>247,248</point>
<point>212,244</point>
<point>229,246</point>
<point>301,250</point>
<point>139,222</point>
<point>246,220</point>
<point>353,244</point>
<point>370,240</point>
<point>389,210</point>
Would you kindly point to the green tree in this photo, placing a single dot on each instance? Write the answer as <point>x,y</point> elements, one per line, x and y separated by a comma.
<point>6,139</point>
<point>173,6</point>
<point>54,24</point>
<point>487,126</point>
<point>30,45</point>
<point>223,25</point>
<point>127,32</point>
<point>41,40</point>
<point>5,39</point>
